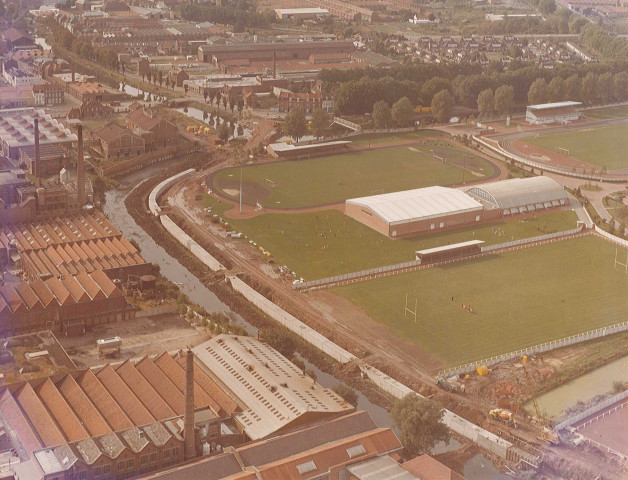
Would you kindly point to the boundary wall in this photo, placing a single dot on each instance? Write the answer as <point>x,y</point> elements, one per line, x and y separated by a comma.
<point>153,206</point>
<point>569,422</point>
<point>153,312</point>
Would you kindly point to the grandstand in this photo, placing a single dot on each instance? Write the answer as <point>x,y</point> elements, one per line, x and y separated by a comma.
<point>559,112</point>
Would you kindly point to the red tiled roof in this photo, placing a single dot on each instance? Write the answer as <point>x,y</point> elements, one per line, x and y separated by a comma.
<point>176,374</point>
<point>60,292</point>
<point>61,411</point>
<point>105,284</point>
<point>103,401</point>
<point>212,389</point>
<point>83,407</point>
<point>162,384</point>
<point>12,299</point>
<point>43,293</point>
<point>90,286</point>
<point>428,468</point>
<point>124,396</point>
<point>38,416</point>
<point>75,288</point>
<point>146,394</point>
<point>29,297</point>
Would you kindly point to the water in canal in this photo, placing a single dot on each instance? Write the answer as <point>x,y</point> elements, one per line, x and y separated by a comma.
<point>136,92</point>
<point>584,388</point>
<point>477,468</point>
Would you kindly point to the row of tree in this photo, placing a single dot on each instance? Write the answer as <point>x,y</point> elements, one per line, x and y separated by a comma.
<point>606,45</point>
<point>241,14</point>
<point>589,83</point>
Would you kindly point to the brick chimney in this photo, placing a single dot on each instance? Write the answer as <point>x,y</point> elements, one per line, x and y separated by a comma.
<point>189,439</point>
<point>274,64</point>
<point>35,166</point>
<point>73,74</point>
<point>80,168</point>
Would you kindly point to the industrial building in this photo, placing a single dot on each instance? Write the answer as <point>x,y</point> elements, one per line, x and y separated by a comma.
<point>278,395</point>
<point>304,13</point>
<point>66,246</point>
<point>67,306</point>
<point>288,151</point>
<point>559,112</point>
<point>423,210</point>
<point>116,421</point>
<point>17,130</point>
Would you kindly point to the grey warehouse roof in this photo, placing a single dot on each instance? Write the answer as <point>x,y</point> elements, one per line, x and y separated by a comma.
<point>545,106</point>
<point>517,192</point>
<point>421,203</point>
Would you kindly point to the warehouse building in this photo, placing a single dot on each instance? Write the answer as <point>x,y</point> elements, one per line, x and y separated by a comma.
<point>559,112</point>
<point>278,396</point>
<point>411,212</point>
<point>424,210</point>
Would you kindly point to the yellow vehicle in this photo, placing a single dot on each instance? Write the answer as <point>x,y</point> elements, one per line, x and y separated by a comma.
<point>207,130</point>
<point>504,415</point>
<point>191,128</point>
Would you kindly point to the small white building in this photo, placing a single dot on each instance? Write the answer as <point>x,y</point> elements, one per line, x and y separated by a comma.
<point>301,13</point>
<point>559,112</point>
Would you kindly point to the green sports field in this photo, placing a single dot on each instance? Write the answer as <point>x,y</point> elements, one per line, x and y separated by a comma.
<point>605,113</point>
<point>521,298</point>
<point>322,244</point>
<point>604,147</point>
<point>335,178</point>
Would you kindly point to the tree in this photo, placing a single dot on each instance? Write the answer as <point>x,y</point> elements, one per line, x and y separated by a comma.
<point>280,339</point>
<point>588,88</point>
<point>347,393</point>
<point>572,87</point>
<point>160,77</point>
<point>432,87</point>
<point>232,103</point>
<point>557,90</point>
<point>538,92</point>
<point>420,423</point>
<point>620,86</point>
<point>223,131</point>
<point>486,102</point>
<point>224,102</point>
<point>382,116</point>
<point>205,94</point>
<point>402,111</point>
<point>295,124</point>
<point>443,106</point>
<point>320,122</point>
<point>504,99</point>
<point>547,6</point>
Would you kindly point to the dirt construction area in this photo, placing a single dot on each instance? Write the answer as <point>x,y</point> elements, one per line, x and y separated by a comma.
<point>140,337</point>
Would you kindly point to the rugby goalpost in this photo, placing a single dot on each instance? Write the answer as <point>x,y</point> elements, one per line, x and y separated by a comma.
<point>562,150</point>
<point>269,183</point>
<point>617,262</point>
<point>408,311</point>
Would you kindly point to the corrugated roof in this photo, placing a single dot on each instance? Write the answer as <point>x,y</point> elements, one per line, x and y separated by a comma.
<point>543,106</point>
<point>414,205</point>
<point>78,292</point>
<point>59,290</point>
<point>18,421</point>
<point>105,284</point>
<point>428,468</point>
<point>30,299</point>
<point>90,286</point>
<point>12,299</point>
<point>380,468</point>
<point>517,192</point>
<point>146,394</point>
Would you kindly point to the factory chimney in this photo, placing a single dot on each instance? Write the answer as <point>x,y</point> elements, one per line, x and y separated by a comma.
<point>189,438</point>
<point>80,168</point>
<point>73,74</point>
<point>35,166</point>
<point>274,64</point>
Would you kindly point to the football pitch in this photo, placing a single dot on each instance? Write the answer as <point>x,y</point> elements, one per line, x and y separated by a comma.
<point>606,113</point>
<point>322,244</point>
<point>335,178</point>
<point>604,147</point>
<point>518,299</point>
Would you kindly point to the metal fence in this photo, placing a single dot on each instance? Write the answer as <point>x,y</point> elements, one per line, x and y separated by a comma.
<point>415,264</point>
<point>525,241</point>
<point>565,424</point>
<point>357,134</point>
<point>543,347</point>
<point>609,236</point>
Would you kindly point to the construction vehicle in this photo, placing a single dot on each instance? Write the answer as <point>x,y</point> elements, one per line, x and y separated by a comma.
<point>504,415</point>
<point>547,435</point>
<point>452,384</point>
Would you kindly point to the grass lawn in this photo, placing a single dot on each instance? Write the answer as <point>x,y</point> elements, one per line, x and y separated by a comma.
<point>322,244</point>
<point>378,138</point>
<point>521,298</point>
<point>336,178</point>
<point>604,113</point>
<point>604,146</point>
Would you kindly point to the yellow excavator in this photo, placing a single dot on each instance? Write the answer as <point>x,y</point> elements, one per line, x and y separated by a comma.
<point>547,435</point>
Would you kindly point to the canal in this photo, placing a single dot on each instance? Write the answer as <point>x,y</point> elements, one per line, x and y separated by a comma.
<point>477,468</point>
